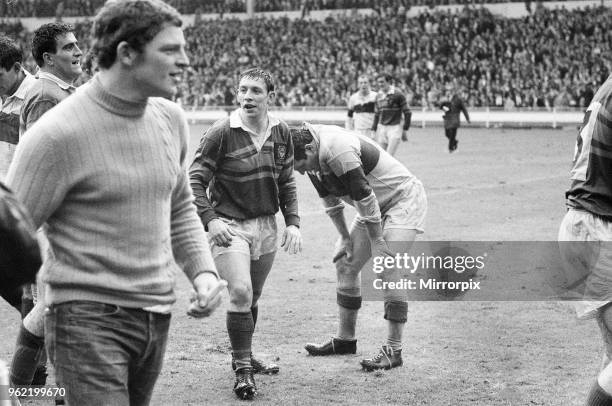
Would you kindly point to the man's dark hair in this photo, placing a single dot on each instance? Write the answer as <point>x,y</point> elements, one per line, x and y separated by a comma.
<point>300,137</point>
<point>45,37</point>
<point>10,53</point>
<point>387,77</point>
<point>136,22</point>
<point>259,74</point>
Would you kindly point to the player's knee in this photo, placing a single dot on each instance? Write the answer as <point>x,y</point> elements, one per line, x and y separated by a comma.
<point>349,298</point>
<point>396,311</point>
<point>241,295</point>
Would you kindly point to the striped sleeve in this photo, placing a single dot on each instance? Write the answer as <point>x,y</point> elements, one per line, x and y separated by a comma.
<point>203,168</point>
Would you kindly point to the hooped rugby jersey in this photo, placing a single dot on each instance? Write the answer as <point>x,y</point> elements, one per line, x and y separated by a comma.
<point>389,108</point>
<point>341,152</point>
<point>591,174</point>
<point>361,110</point>
<point>245,177</point>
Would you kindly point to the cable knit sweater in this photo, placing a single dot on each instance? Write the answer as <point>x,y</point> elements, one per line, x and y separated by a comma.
<point>109,178</point>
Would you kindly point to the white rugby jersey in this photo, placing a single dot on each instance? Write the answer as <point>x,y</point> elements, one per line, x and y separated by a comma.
<point>361,109</point>
<point>341,151</point>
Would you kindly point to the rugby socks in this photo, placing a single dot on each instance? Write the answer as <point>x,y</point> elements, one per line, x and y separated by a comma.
<point>394,343</point>
<point>347,318</point>
<point>29,352</point>
<point>240,328</point>
<point>598,397</point>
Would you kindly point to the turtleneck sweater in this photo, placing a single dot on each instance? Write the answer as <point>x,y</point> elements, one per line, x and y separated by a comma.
<point>109,177</point>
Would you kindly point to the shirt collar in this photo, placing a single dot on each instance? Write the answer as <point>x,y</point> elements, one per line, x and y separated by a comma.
<point>236,121</point>
<point>49,76</point>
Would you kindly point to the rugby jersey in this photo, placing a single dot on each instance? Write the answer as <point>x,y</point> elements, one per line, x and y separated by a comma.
<point>389,108</point>
<point>244,181</point>
<point>591,174</point>
<point>341,151</point>
<point>361,110</point>
<point>44,94</point>
<point>9,122</point>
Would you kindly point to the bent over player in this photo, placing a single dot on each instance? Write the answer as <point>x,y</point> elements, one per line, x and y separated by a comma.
<point>391,205</point>
<point>246,162</point>
<point>588,223</point>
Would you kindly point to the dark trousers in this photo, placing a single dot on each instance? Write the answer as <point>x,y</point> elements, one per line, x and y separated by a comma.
<point>104,354</point>
<point>451,134</point>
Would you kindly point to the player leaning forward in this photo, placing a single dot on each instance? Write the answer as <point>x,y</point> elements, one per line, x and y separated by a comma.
<point>391,205</point>
<point>246,160</point>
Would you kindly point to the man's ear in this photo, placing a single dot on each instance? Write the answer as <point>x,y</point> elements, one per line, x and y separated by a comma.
<point>271,97</point>
<point>17,67</point>
<point>126,54</point>
<point>309,147</point>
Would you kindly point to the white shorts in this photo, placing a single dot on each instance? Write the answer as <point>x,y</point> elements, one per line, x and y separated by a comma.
<point>253,237</point>
<point>386,133</point>
<point>590,263</point>
<point>408,213</point>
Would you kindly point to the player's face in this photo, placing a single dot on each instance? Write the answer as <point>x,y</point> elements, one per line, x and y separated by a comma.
<point>309,164</point>
<point>8,79</point>
<point>382,84</point>
<point>364,85</point>
<point>159,69</point>
<point>253,97</point>
<point>66,61</point>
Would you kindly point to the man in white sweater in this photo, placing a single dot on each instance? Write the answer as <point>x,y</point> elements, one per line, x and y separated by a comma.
<point>106,170</point>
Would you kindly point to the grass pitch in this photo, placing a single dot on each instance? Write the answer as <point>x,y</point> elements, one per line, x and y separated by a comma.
<point>499,185</point>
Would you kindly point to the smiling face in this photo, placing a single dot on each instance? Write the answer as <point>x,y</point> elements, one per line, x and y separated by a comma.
<point>254,97</point>
<point>65,63</point>
<point>158,70</point>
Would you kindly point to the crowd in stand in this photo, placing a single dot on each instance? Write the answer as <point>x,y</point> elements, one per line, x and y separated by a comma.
<point>551,58</point>
<point>71,8</point>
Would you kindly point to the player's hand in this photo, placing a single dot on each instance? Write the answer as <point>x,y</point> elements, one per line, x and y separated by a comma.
<point>220,233</point>
<point>405,135</point>
<point>380,248</point>
<point>206,296</point>
<point>292,239</point>
<point>344,246</point>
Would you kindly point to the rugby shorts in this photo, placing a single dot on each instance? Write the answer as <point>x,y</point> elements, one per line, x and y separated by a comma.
<point>253,237</point>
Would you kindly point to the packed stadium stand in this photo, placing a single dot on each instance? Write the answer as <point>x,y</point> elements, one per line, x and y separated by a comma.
<point>549,58</point>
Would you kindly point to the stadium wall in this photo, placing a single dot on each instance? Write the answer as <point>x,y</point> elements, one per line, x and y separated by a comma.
<point>482,117</point>
<point>510,10</point>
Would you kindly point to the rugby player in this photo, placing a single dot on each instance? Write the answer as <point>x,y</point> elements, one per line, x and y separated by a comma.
<point>588,223</point>
<point>388,110</point>
<point>361,108</point>
<point>345,166</point>
<point>56,52</point>
<point>246,162</point>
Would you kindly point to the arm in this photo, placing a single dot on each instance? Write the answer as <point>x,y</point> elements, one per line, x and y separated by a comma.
<point>407,113</point>
<point>350,122</point>
<point>287,196</point>
<point>376,115</point>
<point>34,110</point>
<point>189,243</point>
<point>465,112</point>
<point>347,166</point>
<point>205,163</point>
<point>38,174</point>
